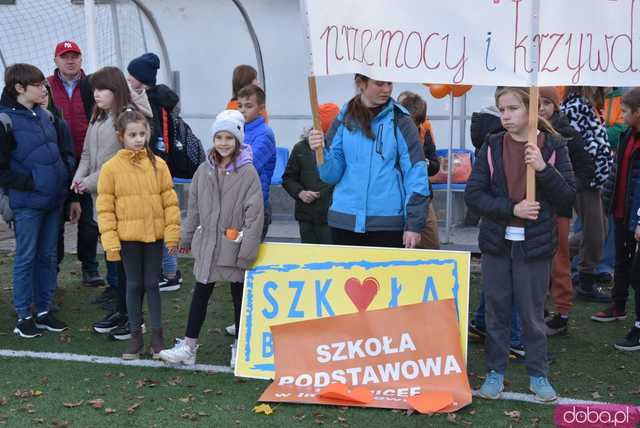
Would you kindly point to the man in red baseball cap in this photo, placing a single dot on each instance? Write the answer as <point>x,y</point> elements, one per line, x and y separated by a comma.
<point>73,95</point>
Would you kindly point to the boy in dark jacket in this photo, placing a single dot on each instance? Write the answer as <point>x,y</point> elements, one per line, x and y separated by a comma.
<point>622,198</point>
<point>417,107</point>
<point>312,196</point>
<point>33,169</point>
<point>584,171</point>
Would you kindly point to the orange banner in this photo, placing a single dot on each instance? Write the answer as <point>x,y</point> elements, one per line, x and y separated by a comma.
<point>395,353</point>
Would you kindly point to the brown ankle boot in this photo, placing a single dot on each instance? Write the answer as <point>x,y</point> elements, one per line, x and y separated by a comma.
<point>136,345</point>
<point>157,343</point>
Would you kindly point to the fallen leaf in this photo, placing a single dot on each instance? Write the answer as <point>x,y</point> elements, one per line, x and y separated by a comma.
<point>38,420</point>
<point>109,411</point>
<point>452,418</point>
<point>207,391</point>
<point>263,408</point>
<point>36,393</point>
<point>131,409</point>
<point>141,383</point>
<point>98,403</point>
<point>27,408</point>
<point>595,394</point>
<point>44,381</point>
<point>513,414</point>
<point>72,405</point>
<point>3,401</point>
<point>186,400</point>
<point>299,417</point>
<point>59,424</point>
<point>176,381</point>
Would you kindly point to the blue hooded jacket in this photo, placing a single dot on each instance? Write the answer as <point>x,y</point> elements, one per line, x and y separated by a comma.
<point>36,155</point>
<point>381,184</point>
<point>259,136</point>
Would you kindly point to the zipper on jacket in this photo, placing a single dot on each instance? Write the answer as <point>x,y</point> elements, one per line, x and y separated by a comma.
<point>378,142</point>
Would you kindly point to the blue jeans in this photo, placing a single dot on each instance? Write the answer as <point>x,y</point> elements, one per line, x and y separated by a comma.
<point>169,263</point>
<point>35,263</point>
<point>516,325</point>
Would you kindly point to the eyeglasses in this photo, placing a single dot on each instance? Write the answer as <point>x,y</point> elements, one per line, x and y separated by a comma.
<point>38,84</point>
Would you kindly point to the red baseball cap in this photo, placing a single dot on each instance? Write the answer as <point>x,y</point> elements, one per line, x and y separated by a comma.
<point>67,46</point>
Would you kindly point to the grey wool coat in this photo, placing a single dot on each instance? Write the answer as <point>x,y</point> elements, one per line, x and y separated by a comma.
<point>221,199</point>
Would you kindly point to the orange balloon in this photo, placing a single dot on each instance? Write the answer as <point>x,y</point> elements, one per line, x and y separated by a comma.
<point>439,91</point>
<point>460,90</point>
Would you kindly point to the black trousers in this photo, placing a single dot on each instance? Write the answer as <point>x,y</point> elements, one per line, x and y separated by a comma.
<point>382,238</point>
<point>200,302</point>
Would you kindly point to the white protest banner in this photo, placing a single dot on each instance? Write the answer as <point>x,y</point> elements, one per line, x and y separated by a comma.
<point>477,42</point>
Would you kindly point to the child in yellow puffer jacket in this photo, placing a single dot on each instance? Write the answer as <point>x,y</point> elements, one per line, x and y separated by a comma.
<point>138,210</point>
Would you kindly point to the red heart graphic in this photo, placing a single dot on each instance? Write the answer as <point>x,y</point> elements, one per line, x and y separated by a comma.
<point>361,294</point>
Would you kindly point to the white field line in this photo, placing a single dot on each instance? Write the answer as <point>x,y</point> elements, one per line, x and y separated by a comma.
<point>96,359</point>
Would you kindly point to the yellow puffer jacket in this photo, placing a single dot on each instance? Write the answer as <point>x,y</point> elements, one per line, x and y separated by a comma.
<point>136,202</point>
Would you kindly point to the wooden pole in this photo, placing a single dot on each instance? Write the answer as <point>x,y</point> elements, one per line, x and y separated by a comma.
<point>313,99</point>
<point>532,140</point>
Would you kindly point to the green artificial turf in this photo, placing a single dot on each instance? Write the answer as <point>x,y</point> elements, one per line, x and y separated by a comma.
<point>33,392</point>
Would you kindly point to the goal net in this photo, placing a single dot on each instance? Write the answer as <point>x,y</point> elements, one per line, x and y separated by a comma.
<point>30,30</point>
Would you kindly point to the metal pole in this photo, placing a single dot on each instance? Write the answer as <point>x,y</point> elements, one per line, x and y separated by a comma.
<point>447,227</point>
<point>256,43</point>
<point>144,36</point>
<point>462,114</point>
<point>116,34</point>
<point>156,30</point>
<point>92,46</point>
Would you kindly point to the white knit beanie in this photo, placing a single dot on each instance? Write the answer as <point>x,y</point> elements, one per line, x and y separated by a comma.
<point>230,121</point>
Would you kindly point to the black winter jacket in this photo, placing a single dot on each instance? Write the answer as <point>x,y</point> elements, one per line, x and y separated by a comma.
<point>160,97</point>
<point>484,123</point>
<point>487,195</point>
<point>300,174</point>
<point>430,155</point>
<point>584,168</point>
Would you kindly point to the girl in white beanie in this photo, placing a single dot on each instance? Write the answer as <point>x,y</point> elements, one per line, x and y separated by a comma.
<point>223,227</point>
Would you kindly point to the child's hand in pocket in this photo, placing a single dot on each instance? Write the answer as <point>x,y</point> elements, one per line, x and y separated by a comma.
<point>172,251</point>
<point>184,248</point>
<point>637,234</point>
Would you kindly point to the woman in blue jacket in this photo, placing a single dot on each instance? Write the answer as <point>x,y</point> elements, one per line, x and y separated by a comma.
<point>377,165</point>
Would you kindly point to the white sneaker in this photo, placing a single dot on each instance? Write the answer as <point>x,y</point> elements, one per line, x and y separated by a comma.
<point>180,353</point>
<point>234,348</point>
<point>230,330</point>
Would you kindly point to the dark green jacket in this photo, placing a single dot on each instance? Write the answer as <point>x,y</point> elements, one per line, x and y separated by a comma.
<point>300,174</point>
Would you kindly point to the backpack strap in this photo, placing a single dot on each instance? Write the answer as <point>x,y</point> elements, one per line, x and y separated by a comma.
<point>5,120</point>
<point>490,161</point>
<point>165,129</point>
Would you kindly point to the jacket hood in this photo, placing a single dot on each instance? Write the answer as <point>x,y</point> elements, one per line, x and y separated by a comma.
<point>245,157</point>
<point>491,109</point>
<point>163,96</point>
